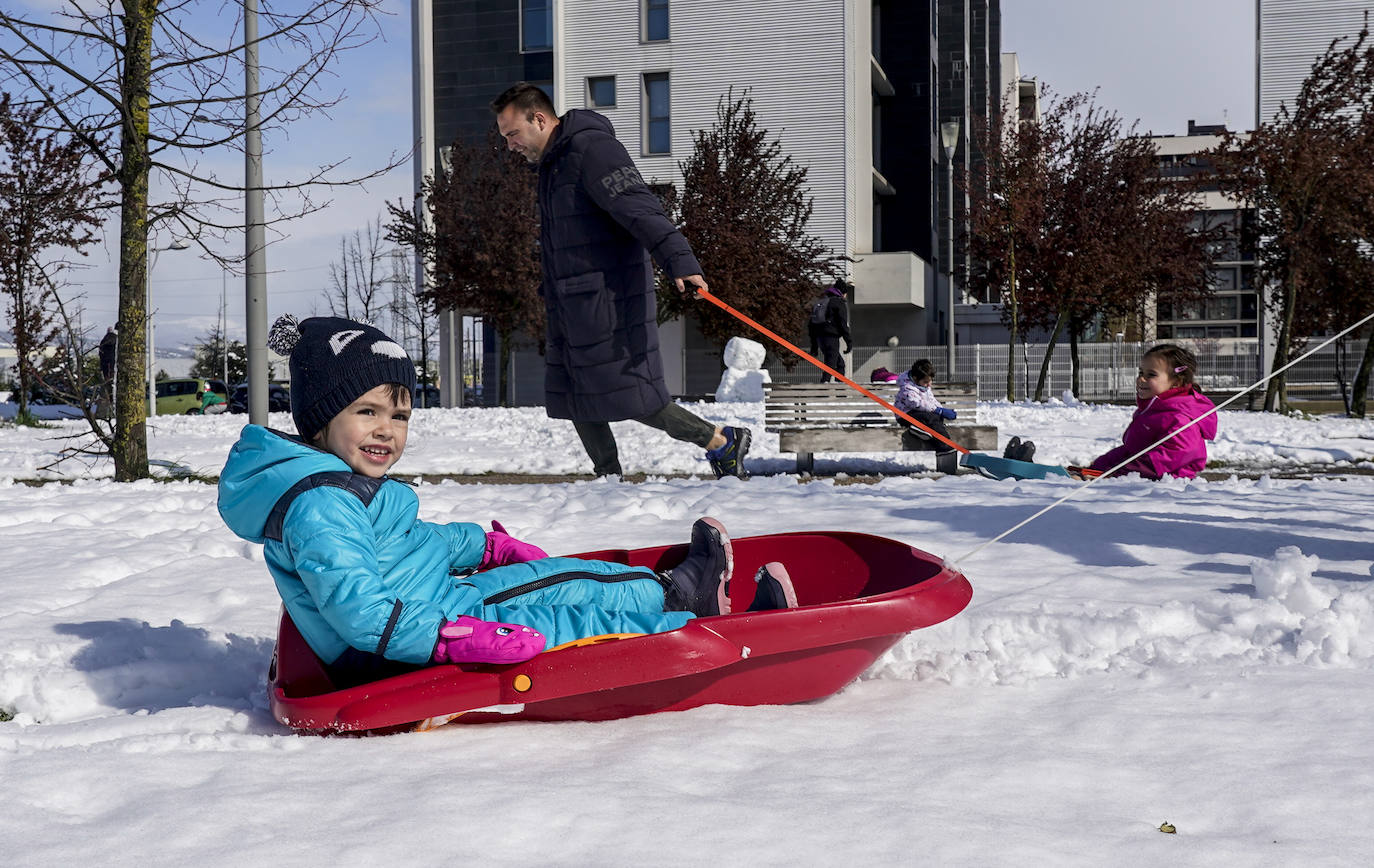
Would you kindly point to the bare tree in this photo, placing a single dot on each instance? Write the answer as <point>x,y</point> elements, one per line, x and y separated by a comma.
<point>152,90</point>
<point>744,208</point>
<point>413,322</point>
<point>358,281</point>
<point>481,249</point>
<point>47,193</point>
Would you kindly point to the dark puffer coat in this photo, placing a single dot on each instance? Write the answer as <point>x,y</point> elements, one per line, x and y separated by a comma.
<point>599,223</point>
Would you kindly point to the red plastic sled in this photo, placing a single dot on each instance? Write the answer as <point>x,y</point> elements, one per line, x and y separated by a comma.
<point>858,595</point>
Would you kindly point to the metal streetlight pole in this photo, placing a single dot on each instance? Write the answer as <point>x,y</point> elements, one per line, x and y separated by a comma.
<point>949,137</point>
<point>224,322</point>
<point>177,244</point>
<point>255,264</point>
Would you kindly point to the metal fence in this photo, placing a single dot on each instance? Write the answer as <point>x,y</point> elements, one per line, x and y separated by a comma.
<point>1106,370</point>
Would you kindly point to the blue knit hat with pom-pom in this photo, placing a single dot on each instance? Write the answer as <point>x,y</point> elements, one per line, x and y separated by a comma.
<point>334,362</point>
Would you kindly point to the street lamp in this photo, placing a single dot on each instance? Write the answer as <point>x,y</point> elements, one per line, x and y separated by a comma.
<point>949,137</point>
<point>177,244</point>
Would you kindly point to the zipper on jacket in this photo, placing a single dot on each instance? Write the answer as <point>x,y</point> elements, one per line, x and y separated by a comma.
<point>549,581</point>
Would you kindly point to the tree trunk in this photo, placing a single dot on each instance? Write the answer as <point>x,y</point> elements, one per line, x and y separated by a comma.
<point>1360,388</point>
<point>1074,377</point>
<point>506,386</point>
<point>23,345</point>
<point>130,432</point>
<point>1049,355</point>
<point>1011,336</point>
<point>1276,392</point>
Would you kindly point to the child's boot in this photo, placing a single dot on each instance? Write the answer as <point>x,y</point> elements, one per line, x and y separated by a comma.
<point>947,462</point>
<point>701,583</point>
<point>1013,448</point>
<point>775,589</point>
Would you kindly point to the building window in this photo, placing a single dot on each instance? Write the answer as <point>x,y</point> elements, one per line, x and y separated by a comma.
<point>655,20</point>
<point>656,113</point>
<point>601,91</point>
<point>536,25</point>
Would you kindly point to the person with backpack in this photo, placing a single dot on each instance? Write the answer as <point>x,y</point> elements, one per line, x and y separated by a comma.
<point>829,324</point>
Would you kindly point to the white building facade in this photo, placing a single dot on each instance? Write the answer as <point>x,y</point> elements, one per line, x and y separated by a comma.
<point>1290,36</point>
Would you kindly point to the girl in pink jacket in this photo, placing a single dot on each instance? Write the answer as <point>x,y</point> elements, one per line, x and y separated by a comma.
<point>1166,400</point>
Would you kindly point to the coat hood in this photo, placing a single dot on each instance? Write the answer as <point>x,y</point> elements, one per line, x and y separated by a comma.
<point>262,466</point>
<point>581,120</point>
<point>1186,401</point>
<point>576,122</point>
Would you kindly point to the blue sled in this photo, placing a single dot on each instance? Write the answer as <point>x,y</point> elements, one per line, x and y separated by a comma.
<point>994,467</point>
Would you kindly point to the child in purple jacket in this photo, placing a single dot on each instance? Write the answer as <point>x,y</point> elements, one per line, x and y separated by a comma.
<point>1166,400</point>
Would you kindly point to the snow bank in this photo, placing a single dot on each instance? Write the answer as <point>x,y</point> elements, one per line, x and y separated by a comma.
<point>1284,615</point>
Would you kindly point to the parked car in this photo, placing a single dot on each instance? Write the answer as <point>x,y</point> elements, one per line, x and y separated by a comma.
<point>179,395</point>
<point>426,395</point>
<point>278,399</point>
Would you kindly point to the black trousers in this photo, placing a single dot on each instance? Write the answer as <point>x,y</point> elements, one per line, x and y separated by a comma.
<point>914,439</point>
<point>677,423</point>
<point>830,354</point>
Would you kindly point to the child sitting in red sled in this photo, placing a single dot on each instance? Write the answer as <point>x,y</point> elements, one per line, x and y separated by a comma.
<point>375,591</point>
<point>1167,399</point>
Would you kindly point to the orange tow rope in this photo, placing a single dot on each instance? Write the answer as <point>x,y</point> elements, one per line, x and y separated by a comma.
<point>701,293</point>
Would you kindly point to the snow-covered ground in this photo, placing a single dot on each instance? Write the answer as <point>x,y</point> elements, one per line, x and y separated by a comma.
<point>1192,652</point>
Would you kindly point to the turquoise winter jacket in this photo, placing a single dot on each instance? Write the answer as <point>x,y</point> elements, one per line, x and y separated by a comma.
<point>380,575</point>
<point>355,566</point>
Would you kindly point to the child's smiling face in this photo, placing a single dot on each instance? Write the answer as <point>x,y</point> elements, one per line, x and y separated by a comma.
<point>369,434</point>
<point>1153,378</point>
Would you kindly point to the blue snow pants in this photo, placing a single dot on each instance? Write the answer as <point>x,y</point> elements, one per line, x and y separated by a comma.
<point>569,598</point>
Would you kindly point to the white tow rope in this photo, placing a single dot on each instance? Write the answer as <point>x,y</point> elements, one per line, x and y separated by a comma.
<point>1082,488</point>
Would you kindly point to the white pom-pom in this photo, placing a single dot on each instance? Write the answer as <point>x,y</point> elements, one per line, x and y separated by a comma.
<point>284,335</point>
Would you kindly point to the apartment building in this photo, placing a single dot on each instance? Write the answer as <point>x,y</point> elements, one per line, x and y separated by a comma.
<point>1234,310</point>
<point>1290,35</point>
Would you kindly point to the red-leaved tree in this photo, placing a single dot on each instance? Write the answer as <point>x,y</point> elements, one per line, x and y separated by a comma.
<point>480,243</point>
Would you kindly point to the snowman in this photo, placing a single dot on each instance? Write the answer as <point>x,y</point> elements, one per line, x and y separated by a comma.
<point>744,375</point>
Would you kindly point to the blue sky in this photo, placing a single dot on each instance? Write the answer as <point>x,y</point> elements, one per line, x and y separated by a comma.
<point>1163,63</point>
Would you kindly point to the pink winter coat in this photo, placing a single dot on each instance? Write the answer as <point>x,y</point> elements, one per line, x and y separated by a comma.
<point>1184,455</point>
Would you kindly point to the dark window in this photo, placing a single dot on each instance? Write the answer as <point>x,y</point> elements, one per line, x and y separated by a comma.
<point>536,25</point>
<point>656,116</point>
<point>655,20</point>
<point>1248,304</point>
<point>601,91</point>
<point>1221,307</point>
<point>1248,330</point>
<point>1224,279</point>
<point>1165,332</point>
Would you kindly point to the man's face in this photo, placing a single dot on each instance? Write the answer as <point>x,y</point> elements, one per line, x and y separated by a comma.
<point>526,133</point>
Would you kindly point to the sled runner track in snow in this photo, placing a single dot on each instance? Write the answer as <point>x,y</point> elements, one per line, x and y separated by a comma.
<point>858,596</point>
<point>1165,439</point>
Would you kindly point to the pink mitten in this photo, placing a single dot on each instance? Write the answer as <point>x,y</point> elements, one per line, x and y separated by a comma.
<point>468,640</point>
<point>502,548</point>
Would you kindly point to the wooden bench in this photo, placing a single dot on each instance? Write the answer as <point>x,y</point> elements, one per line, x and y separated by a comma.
<point>833,417</point>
